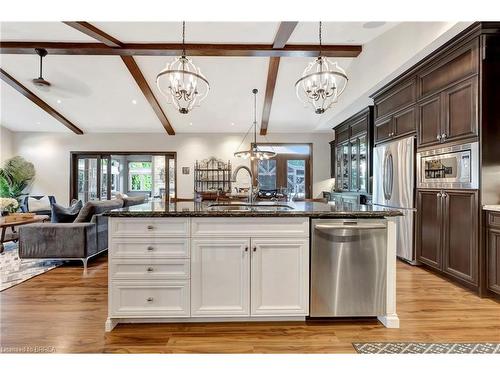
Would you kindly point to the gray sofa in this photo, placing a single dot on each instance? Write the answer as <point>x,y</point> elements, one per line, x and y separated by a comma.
<point>86,237</point>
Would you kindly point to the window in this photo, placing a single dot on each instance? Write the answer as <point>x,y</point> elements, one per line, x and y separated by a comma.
<point>140,176</point>
<point>289,172</point>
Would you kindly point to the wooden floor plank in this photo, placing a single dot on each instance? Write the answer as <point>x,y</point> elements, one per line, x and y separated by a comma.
<point>66,310</point>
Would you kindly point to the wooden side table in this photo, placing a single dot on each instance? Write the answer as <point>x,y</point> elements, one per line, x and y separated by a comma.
<point>14,236</point>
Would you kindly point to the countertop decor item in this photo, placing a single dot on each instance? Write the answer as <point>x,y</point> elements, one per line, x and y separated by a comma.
<point>8,205</point>
<point>322,82</point>
<point>182,82</point>
<point>254,152</point>
<point>212,176</point>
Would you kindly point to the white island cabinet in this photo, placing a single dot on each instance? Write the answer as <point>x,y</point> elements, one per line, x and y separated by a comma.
<point>174,269</point>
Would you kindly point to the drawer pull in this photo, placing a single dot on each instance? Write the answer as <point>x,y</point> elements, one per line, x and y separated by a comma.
<point>150,269</point>
<point>150,299</point>
<point>151,227</point>
<point>255,249</point>
<point>150,248</point>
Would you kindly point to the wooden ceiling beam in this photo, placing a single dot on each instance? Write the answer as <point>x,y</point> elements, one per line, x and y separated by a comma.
<point>168,49</point>
<point>94,32</point>
<point>131,65</point>
<point>11,81</point>
<point>285,30</point>
<point>148,93</point>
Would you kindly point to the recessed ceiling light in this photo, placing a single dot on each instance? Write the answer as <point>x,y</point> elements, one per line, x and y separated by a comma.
<point>232,124</point>
<point>38,122</point>
<point>58,101</point>
<point>373,25</point>
<point>190,123</point>
<point>134,101</point>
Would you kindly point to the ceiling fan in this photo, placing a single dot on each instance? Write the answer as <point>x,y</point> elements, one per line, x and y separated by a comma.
<point>40,81</point>
<point>73,86</point>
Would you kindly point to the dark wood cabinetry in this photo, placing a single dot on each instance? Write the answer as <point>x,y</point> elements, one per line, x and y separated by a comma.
<point>352,149</point>
<point>493,251</point>
<point>332,159</point>
<point>447,228</point>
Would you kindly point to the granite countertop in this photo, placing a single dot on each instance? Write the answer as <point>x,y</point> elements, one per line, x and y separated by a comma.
<point>298,209</point>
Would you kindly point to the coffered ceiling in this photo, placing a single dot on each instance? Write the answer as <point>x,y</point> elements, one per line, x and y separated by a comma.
<point>98,93</point>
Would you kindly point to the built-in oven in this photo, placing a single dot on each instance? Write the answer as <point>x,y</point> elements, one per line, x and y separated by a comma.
<point>454,167</point>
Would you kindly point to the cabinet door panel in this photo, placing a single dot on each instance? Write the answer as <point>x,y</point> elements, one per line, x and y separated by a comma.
<point>429,227</point>
<point>460,230</point>
<point>460,108</point>
<point>429,121</point>
<point>493,259</point>
<point>383,129</point>
<point>401,95</point>
<point>280,277</point>
<point>404,122</point>
<point>220,277</point>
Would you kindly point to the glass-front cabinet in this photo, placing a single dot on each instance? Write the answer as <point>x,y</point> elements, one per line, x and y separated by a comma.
<point>352,150</point>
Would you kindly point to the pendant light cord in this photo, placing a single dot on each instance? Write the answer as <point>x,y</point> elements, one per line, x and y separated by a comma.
<point>320,40</point>
<point>183,38</point>
<point>255,119</point>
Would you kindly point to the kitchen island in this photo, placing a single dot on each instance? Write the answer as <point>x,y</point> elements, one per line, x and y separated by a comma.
<point>227,261</point>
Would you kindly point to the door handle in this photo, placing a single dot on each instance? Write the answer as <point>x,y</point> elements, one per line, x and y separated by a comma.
<point>349,226</point>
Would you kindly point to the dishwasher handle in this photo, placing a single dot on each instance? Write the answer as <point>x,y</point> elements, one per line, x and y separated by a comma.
<point>350,226</point>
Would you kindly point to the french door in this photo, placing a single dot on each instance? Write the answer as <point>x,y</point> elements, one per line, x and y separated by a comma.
<point>100,176</point>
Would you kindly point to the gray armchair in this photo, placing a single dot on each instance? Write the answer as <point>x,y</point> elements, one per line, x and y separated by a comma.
<point>86,237</point>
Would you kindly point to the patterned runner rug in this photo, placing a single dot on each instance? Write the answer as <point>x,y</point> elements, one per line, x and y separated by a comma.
<point>14,271</point>
<point>426,348</point>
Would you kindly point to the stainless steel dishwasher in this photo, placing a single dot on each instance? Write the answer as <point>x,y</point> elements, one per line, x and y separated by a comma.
<point>348,267</point>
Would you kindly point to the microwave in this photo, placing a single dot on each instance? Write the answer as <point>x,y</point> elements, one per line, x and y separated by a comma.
<point>454,167</point>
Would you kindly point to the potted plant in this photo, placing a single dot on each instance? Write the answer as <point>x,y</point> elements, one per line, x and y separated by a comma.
<point>15,177</point>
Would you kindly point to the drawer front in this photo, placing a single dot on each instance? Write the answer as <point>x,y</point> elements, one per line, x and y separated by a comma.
<point>147,269</point>
<point>261,226</point>
<point>150,248</point>
<point>140,227</point>
<point>150,299</point>
<point>494,219</point>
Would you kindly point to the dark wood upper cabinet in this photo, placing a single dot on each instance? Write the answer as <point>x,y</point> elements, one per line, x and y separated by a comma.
<point>383,129</point>
<point>353,150</point>
<point>493,251</point>
<point>396,97</point>
<point>429,124</point>
<point>448,68</point>
<point>429,223</point>
<point>404,122</point>
<point>332,159</point>
<point>460,229</point>
<point>460,111</point>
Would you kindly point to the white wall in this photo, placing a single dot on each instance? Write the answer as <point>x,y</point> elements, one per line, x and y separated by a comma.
<point>50,153</point>
<point>6,144</point>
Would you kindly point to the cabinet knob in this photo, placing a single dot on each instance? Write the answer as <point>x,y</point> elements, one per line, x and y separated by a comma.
<point>150,299</point>
<point>246,248</point>
<point>438,137</point>
<point>150,227</point>
<point>150,248</point>
<point>444,136</point>
<point>150,269</point>
<point>255,249</point>
<point>439,195</point>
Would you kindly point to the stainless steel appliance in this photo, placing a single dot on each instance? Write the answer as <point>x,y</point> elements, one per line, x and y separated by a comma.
<point>454,167</point>
<point>348,267</point>
<point>393,187</point>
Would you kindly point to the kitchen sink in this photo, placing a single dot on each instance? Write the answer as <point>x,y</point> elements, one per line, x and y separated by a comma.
<point>248,207</point>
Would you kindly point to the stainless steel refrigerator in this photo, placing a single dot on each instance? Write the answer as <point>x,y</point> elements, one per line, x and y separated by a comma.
<point>393,187</point>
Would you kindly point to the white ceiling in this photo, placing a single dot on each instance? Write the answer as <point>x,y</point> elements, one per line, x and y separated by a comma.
<point>97,92</point>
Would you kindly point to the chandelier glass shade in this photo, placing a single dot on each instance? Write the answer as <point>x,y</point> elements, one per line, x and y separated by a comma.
<point>322,82</point>
<point>254,153</point>
<point>182,82</point>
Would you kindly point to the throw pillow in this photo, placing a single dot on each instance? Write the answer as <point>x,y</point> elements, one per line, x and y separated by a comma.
<point>62,214</point>
<point>42,204</point>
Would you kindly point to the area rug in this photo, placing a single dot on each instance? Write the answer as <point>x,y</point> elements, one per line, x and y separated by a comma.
<point>14,271</point>
<point>426,348</point>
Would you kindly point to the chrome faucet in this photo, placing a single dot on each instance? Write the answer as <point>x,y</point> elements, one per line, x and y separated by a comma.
<point>235,174</point>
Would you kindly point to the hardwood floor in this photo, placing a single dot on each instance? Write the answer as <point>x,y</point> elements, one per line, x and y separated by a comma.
<point>66,310</point>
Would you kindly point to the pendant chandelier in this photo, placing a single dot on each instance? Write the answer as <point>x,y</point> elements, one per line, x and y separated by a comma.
<point>181,82</point>
<point>322,82</point>
<point>254,153</point>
